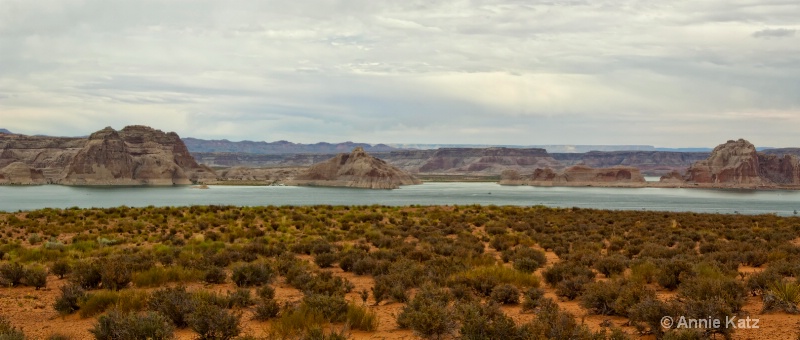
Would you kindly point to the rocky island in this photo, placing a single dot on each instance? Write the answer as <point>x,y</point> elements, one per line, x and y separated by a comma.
<point>357,170</point>
<point>577,175</point>
<point>135,155</point>
<point>737,164</point>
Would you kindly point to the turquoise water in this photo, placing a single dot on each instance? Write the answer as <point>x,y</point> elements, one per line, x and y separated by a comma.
<point>13,198</point>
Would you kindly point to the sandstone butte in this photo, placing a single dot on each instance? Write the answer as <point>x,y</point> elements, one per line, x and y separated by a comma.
<point>356,169</point>
<point>135,155</point>
<point>737,164</point>
<point>577,175</point>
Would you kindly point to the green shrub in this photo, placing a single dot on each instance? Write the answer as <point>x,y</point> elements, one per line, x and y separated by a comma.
<point>240,298</point>
<point>365,266</point>
<point>60,268</point>
<point>567,270</point>
<point>34,239</point>
<point>132,326</point>
<point>215,275</point>
<point>505,294</point>
<point>531,299</point>
<point>571,288</point>
<point>614,297</point>
<point>266,309</point>
<point>72,295</point>
<point>86,274</point>
<point>360,318</point>
<point>124,301</point>
<point>348,258</point>
<point>428,314</point>
<point>9,332</point>
<point>211,322</point>
<point>483,279</point>
<point>159,276</point>
<point>646,315</point>
<point>758,283</point>
<point>672,273</point>
<point>527,259</point>
<point>644,271</point>
<point>485,321</point>
<point>12,273</point>
<point>35,277</point>
<point>296,322</point>
<point>332,307</point>
<point>266,292</point>
<point>723,289</point>
<point>213,298</point>
<point>174,303</point>
<point>252,274</point>
<point>711,308</point>
<point>783,296</point>
<point>611,265</point>
<point>325,260</point>
<point>323,283</point>
<point>115,273</point>
<point>97,302</point>
<point>552,323</point>
<point>132,300</point>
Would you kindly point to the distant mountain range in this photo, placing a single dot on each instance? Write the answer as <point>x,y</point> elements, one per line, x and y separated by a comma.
<point>552,148</point>
<point>279,147</point>
<point>283,147</point>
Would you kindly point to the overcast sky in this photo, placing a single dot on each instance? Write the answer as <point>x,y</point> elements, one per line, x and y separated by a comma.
<point>664,73</point>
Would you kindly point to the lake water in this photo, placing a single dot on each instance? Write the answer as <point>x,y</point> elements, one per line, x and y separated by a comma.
<point>13,198</point>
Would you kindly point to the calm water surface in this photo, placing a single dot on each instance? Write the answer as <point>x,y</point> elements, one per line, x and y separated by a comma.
<point>14,198</point>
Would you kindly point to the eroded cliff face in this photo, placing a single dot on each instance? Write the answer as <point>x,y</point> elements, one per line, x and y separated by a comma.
<point>781,170</point>
<point>476,161</point>
<point>737,164</point>
<point>732,162</point>
<point>19,173</point>
<point>578,175</point>
<point>133,156</point>
<point>673,177</point>
<point>648,162</point>
<point>356,169</point>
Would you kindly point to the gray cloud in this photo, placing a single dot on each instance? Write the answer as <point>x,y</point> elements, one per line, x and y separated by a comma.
<point>484,71</point>
<point>774,33</point>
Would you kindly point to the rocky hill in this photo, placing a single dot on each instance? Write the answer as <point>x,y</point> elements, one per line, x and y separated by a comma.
<point>475,161</point>
<point>648,162</point>
<point>488,161</point>
<point>277,148</point>
<point>578,175</point>
<point>5,131</point>
<point>738,164</point>
<point>135,155</point>
<point>252,160</point>
<point>356,169</point>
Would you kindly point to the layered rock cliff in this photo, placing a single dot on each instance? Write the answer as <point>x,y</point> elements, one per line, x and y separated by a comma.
<point>21,174</point>
<point>732,162</point>
<point>648,162</point>
<point>578,175</point>
<point>277,148</point>
<point>356,169</point>
<point>488,161</point>
<point>133,156</point>
<point>269,176</point>
<point>738,164</point>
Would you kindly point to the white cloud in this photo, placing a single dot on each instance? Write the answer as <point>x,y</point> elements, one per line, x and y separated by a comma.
<point>523,72</point>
